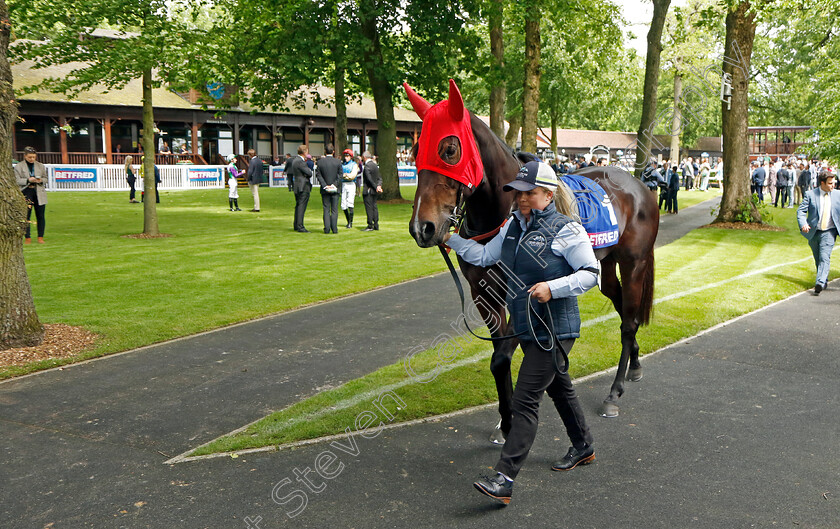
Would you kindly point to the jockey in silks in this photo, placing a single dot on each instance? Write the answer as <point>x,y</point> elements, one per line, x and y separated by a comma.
<point>233,183</point>
<point>350,170</point>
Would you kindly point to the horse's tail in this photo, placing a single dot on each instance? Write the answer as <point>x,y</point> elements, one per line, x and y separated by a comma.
<point>646,306</point>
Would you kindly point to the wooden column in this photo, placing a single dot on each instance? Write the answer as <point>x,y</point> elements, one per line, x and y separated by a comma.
<point>273,139</point>
<point>62,140</point>
<point>109,157</point>
<point>364,137</point>
<point>195,127</point>
<point>236,133</point>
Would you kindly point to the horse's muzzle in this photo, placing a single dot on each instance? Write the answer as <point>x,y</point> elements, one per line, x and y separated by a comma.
<point>424,233</point>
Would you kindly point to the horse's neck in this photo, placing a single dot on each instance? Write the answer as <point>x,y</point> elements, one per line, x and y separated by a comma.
<point>489,205</point>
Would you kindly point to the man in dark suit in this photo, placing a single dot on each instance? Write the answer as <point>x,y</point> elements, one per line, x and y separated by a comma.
<point>255,174</point>
<point>329,176</point>
<point>819,218</point>
<point>758,176</point>
<point>372,184</point>
<point>300,174</point>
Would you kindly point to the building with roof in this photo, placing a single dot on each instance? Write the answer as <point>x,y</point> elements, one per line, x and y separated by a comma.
<point>102,125</point>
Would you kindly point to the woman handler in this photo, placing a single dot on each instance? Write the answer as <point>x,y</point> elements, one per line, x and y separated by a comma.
<point>548,256</point>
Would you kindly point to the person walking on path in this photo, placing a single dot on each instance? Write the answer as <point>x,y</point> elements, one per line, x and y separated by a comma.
<point>349,172</point>
<point>549,257</point>
<point>819,218</point>
<point>372,186</point>
<point>301,176</point>
<point>255,174</point>
<point>131,179</point>
<point>31,177</point>
<point>329,175</point>
<point>233,183</point>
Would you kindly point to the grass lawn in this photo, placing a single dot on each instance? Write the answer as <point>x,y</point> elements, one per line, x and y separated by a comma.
<point>686,199</point>
<point>218,268</point>
<point>705,278</point>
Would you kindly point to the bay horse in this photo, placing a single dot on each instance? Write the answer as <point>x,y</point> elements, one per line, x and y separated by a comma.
<point>485,207</point>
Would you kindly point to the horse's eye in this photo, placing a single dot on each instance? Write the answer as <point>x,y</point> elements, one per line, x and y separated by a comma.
<point>449,150</point>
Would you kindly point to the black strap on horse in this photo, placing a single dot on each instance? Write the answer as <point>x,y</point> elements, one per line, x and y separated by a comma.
<point>554,344</point>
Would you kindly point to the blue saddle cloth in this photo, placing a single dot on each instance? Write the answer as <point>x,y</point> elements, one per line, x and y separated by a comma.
<point>596,211</point>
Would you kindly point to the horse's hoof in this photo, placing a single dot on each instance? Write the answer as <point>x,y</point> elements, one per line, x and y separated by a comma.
<point>498,436</point>
<point>608,409</point>
<point>634,375</point>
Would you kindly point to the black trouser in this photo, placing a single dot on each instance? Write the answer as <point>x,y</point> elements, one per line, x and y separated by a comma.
<point>132,191</point>
<point>536,376</point>
<point>39,217</point>
<point>330,201</point>
<point>301,200</point>
<point>663,197</point>
<point>781,194</point>
<point>372,211</point>
<point>671,201</point>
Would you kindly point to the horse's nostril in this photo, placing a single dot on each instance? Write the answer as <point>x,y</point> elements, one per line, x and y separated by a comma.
<point>427,230</point>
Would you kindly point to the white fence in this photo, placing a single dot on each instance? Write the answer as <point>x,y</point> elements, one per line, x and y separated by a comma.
<point>76,177</point>
<point>71,177</point>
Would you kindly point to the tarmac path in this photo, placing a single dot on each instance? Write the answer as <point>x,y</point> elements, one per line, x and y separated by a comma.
<point>716,435</point>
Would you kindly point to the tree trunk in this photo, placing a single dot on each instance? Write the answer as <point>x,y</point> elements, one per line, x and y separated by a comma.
<point>340,114</point>
<point>19,324</point>
<point>554,117</point>
<point>740,33</point>
<point>531,92</point>
<point>676,123</point>
<point>386,136</point>
<point>497,82</point>
<point>150,221</point>
<point>654,50</point>
<point>513,132</point>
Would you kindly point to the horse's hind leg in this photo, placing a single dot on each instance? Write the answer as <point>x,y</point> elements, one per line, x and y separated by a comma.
<point>631,299</point>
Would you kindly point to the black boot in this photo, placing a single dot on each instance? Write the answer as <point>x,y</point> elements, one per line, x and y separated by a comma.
<point>236,204</point>
<point>350,224</point>
<point>230,203</point>
<point>347,217</point>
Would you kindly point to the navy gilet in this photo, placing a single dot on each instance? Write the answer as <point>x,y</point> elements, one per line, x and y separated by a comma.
<point>532,263</point>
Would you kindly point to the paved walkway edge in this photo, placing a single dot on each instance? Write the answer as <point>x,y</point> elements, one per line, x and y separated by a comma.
<point>184,458</point>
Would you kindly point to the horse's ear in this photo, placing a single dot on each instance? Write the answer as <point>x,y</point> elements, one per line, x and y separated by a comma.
<point>456,102</point>
<point>420,105</point>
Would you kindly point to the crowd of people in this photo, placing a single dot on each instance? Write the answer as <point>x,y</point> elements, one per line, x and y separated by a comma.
<point>785,181</point>
<point>340,181</point>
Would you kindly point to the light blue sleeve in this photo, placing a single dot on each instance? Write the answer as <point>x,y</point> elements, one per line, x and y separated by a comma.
<point>572,243</point>
<point>477,253</point>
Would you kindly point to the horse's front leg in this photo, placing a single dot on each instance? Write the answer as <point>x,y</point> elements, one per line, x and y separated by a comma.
<point>488,292</point>
<point>500,367</point>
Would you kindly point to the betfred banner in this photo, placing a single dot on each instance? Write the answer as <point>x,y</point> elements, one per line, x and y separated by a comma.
<point>74,174</point>
<point>205,175</point>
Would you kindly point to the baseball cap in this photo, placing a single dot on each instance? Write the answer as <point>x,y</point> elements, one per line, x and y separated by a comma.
<point>533,174</point>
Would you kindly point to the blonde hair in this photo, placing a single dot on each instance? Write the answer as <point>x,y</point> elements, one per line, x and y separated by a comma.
<point>565,202</point>
<point>128,160</point>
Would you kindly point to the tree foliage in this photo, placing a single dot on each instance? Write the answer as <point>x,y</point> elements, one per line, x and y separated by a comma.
<point>110,43</point>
